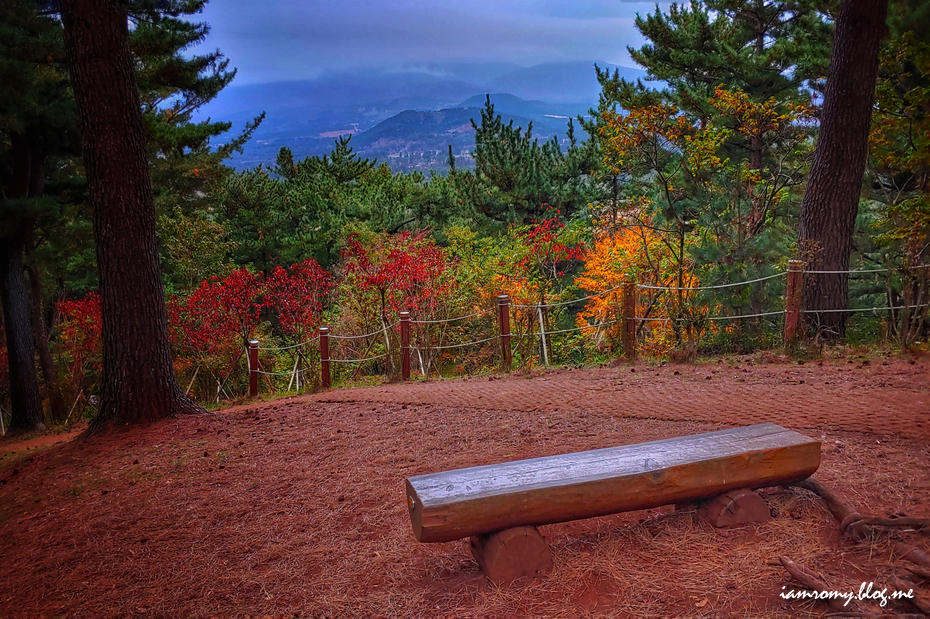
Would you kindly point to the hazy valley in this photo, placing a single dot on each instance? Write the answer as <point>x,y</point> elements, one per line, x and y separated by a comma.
<point>408,118</point>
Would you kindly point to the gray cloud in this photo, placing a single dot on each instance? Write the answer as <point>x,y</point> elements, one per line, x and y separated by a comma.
<point>284,40</point>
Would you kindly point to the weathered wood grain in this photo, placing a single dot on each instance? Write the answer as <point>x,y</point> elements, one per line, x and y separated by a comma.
<point>483,499</point>
<point>736,508</point>
<point>507,555</point>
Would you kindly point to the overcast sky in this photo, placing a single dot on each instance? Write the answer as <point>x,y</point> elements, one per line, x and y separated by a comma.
<point>277,40</point>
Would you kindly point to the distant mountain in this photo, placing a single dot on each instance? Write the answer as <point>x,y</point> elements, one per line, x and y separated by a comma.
<point>511,104</point>
<point>558,82</point>
<point>476,73</point>
<point>419,140</point>
<point>306,115</point>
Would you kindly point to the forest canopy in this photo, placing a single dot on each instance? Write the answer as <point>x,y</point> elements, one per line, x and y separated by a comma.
<point>685,185</point>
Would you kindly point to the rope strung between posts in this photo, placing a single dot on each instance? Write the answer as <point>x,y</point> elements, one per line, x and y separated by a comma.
<point>457,318</point>
<point>570,302</point>
<point>759,315</point>
<point>778,313</point>
<point>298,345</point>
<point>717,287</point>
<point>866,309</point>
<point>358,360</point>
<point>301,371</point>
<point>594,326</point>
<point>360,337</point>
<point>455,345</point>
<point>916,268</point>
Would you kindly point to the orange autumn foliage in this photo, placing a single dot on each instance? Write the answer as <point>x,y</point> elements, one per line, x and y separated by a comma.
<point>629,254</point>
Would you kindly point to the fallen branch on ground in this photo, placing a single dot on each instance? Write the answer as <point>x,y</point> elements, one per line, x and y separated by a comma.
<point>919,571</point>
<point>840,509</point>
<point>851,521</point>
<point>811,581</point>
<point>856,521</point>
<point>912,553</point>
<point>921,601</point>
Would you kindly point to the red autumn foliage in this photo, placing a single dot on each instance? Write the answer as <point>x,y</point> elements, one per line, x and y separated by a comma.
<point>215,321</point>
<point>406,270</point>
<point>297,296</point>
<point>79,340</point>
<point>546,250</point>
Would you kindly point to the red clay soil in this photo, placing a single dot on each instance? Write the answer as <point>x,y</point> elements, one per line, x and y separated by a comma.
<point>296,507</point>
<point>13,445</point>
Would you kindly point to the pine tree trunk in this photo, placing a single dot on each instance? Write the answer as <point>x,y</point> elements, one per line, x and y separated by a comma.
<point>831,201</point>
<point>24,385</point>
<point>56,402</point>
<point>25,400</point>
<point>138,382</point>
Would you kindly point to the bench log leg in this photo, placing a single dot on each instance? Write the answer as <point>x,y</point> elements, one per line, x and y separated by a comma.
<point>511,554</point>
<point>736,508</point>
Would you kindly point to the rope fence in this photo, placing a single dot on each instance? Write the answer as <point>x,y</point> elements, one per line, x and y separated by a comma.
<point>450,346</point>
<point>448,320</point>
<point>367,335</point>
<point>313,339</point>
<point>856,272</point>
<point>716,287</point>
<point>381,356</point>
<point>866,309</point>
<point>535,326</point>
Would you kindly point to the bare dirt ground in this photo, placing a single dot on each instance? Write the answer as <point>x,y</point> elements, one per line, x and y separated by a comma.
<point>296,507</point>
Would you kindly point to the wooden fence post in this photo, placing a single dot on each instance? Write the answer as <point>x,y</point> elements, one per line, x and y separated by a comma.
<point>503,306</point>
<point>325,379</point>
<point>253,368</point>
<point>629,320</point>
<point>405,345</point>
<point>793,290</point>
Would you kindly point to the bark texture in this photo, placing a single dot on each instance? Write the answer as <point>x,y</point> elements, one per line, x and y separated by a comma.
<point>40,335</point>
<point>138,382</point>
<point>831,201</point>
<point>25,401</point>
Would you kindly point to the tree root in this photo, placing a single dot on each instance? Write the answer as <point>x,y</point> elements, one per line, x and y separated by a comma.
<point>921,601</point>
<point>840,509</point>
<point>856,522</point>
<point>851,521</point>
<point>813,582</point>
<point>918,571</point>
<point>912,554</point>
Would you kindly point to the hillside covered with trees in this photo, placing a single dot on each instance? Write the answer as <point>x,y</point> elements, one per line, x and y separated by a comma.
<point>698,186</point>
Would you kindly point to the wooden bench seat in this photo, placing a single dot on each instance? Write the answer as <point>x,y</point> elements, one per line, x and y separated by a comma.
<point>486,499</point>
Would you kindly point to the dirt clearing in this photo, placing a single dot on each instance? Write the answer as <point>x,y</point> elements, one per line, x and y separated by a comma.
<point>296,507</point>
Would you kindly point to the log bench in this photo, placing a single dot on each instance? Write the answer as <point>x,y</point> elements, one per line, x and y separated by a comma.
<point>499,506</point>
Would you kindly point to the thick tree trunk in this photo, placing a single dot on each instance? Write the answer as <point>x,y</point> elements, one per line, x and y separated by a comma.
<point>831,200</point>
<point>138,382</point>
<point>56,402</point>
<point>24,385</point>
<point>39,330</point>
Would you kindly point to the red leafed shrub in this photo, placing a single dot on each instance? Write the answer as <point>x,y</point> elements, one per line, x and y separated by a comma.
<point>547,252</point>
<point>80,348</point>
<point>386,274</point>
<point>213,324</point>
<point>406,271</point>
<point>297,295</point>
<point>240,294</point>
<point>210,328</point>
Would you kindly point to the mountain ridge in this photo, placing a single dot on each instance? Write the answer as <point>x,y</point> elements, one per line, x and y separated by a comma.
<point>305,115</point>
